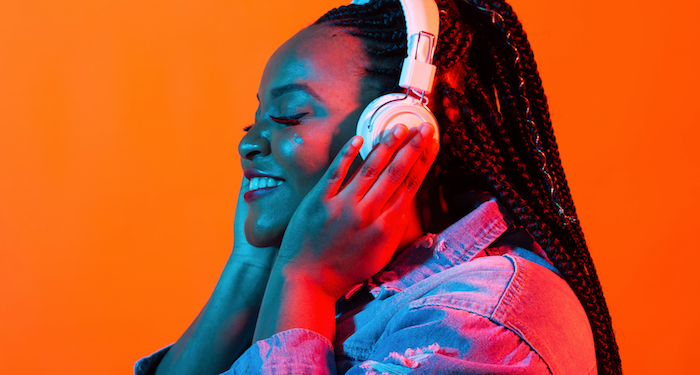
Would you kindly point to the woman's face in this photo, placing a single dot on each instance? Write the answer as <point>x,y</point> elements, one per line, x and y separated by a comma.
<point>310,98</point>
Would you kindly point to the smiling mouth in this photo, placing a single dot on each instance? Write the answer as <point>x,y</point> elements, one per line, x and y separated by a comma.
<point>263,182</point>
<point>260,186</point>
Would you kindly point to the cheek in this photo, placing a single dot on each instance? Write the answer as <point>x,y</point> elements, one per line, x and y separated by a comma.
<point>305,157</point>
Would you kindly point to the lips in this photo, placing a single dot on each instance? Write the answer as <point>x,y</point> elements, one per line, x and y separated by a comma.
<point>260,184</point>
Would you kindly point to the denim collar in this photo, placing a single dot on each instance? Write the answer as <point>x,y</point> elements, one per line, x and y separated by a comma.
<point>459,243</point>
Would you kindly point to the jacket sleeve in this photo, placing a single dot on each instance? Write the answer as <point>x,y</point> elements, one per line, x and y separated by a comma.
<point>431,340</point>
<point>296,351</point>
<point>148,365</point>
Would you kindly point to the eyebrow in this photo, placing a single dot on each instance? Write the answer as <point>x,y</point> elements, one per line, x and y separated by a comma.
<point>293,87</point>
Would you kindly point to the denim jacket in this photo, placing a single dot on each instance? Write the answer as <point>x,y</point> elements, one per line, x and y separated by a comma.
<point>479,298</point>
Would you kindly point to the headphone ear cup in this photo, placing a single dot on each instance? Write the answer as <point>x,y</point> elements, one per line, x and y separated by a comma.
<point>387,111</point>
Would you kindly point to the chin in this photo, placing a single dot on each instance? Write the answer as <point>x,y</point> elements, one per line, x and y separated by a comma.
<point>263,237</point>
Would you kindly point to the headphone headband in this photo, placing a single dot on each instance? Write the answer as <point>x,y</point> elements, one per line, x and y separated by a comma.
<point>422,28</point>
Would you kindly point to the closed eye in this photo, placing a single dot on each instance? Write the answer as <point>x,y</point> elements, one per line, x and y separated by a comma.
<point>289,120</point>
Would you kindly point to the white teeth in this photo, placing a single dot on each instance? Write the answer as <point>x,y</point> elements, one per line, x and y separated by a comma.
<point>263,182</point>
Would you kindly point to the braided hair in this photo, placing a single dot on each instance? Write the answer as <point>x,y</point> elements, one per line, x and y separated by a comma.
<point>495,130</point>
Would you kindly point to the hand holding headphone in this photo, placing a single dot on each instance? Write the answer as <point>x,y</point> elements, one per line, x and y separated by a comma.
<point>417,76</point>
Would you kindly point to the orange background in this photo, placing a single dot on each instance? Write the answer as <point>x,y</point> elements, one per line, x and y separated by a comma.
<point>119,123</point>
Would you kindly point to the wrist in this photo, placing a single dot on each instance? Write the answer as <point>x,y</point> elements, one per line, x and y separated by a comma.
<point>261,257</point>
<point>295,300</point>
<point>322,280</point>
<point>317,283</point>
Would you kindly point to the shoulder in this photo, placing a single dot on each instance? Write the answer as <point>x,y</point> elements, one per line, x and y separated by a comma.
<point>512,296</point>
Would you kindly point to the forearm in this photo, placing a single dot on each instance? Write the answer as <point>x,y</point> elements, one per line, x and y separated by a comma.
<point>294,301</point>
<point>224,328</point>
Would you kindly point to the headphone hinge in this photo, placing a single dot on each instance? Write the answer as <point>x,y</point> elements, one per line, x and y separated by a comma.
<point>418,72</point>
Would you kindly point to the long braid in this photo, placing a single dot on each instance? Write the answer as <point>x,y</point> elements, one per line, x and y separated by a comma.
<point>496,130</point>
<point>580,272</point>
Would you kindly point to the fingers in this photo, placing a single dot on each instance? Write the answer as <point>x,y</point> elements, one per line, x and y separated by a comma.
<point>240,216</point>
<point>403,176</point>
<point>241,206</point>
<point>377,160</point>
<point>335,175</point>
<point>403,195</point>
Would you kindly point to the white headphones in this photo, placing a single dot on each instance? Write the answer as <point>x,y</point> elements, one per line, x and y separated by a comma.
<point>417,75</point>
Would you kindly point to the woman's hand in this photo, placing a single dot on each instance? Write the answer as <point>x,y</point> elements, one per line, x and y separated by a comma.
<point>342,235</point>
<point>242,250</point>
<point>224,328</point>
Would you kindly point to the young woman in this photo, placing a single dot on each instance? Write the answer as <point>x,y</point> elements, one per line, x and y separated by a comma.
<point>334,269</point>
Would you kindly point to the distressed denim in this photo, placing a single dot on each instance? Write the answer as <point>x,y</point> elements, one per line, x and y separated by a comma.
<point>479,298</point>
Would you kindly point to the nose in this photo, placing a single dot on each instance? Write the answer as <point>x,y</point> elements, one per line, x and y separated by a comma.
<point>255,142</point>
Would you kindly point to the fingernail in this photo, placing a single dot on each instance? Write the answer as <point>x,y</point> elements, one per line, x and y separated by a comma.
<point>356,141</point>
<point>426,131</point>
<point>400,131</point>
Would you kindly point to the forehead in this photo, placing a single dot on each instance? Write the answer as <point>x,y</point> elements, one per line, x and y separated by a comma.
<point>324,60</point>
